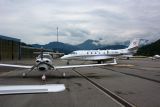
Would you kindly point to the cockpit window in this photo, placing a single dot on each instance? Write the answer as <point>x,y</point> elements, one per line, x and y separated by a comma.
<point>45,56</point>
<point>73,53</point>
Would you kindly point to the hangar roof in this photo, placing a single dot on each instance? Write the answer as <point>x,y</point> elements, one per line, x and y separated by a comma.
<point>9,38</point>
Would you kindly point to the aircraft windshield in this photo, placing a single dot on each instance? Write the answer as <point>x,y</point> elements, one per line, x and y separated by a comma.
<point>46,56</point>
<point>73,53</point>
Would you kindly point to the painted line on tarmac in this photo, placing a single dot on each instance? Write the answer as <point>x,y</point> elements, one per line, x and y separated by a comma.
<point>119,100</point>
<point>133,75</point>
<point>10,72</point>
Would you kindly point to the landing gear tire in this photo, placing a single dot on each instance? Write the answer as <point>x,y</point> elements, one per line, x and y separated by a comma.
<point>24,75</point>
<point>64,74</point>
<point>67,62</point>
<point>44,78</point>
<point>99,62</point>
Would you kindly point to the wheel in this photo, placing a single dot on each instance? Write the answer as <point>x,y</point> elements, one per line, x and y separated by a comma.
<point>67,62</point>
<point>64,74</point>
<point>44,78</point>
<point>99,62</point>
<point>24,75</point>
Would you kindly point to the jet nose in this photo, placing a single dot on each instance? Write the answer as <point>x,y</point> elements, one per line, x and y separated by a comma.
<point>63,57</point>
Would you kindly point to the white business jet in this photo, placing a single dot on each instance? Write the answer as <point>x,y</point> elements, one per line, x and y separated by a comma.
<point>43,63</point>
<point>102,55</point>
<point>155,57</point>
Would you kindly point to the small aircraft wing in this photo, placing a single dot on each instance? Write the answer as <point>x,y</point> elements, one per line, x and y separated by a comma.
<point>28,89</point>
<point>59,67</point>
<point>78,66</point>
<point>16,66</point>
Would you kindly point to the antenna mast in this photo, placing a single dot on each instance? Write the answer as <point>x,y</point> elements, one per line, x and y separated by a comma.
<point>57,38</point>
<point>57,34</point>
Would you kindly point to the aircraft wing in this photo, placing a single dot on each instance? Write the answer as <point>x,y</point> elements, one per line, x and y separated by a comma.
<point>60,67</point>
<point>26,89</point>
<point>16,66</point>
<point>78,66</point>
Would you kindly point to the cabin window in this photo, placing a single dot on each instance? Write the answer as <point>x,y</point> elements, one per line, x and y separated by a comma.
<point>116,52</point>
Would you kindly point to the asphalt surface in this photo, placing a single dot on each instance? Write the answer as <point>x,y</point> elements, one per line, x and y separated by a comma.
<point>136,81</point>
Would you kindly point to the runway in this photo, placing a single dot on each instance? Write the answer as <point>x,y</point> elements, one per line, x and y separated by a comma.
<point>133,82</point>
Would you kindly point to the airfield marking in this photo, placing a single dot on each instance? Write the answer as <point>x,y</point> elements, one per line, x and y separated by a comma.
<point>7,72</point>
<point>142,68</point>
<point>124,65</point>
<point>119,100</point>
<point>134,75</point>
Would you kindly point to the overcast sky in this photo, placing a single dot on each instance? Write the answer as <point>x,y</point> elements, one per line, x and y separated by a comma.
<point>35,21</point>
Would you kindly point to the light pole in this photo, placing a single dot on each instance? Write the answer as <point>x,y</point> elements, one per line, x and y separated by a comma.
<point>57,39</point>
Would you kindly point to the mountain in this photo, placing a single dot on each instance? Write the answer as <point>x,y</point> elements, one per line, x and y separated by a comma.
<point>58,46</point>
<point>86,45</point>
<point>61,47</point>
<point>37,45</point>
<point>150,49</point>
<point>89,45</point>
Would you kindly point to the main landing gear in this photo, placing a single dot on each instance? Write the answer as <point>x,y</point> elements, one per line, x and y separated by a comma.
<point>24,74</point>
<point>43,76</point>
<point>101,62</point>
<point>67,62</point>
<point>64,74</point>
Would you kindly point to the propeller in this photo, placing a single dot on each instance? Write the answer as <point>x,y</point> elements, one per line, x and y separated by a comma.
<point>41,62</point>
<point>49,65</point>
<point>34,66</point>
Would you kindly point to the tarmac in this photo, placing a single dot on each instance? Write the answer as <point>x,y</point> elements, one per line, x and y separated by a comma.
<point>131,83</point>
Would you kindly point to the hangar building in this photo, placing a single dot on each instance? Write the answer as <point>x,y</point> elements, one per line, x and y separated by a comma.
<point>9,48</point>
<point>14,49</point>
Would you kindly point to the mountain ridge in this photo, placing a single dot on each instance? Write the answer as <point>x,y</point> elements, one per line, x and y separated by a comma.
<point>86,45</point>
<point>150,49</point>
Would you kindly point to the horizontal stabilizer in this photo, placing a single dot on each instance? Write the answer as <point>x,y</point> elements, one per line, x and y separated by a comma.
<point>24,89</point>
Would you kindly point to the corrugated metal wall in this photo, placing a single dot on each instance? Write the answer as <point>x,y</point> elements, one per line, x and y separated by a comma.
<point>11,49</point>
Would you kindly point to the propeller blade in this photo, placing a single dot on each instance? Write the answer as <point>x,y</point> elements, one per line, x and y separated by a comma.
<point>35,66</point>
<point>49,65</point>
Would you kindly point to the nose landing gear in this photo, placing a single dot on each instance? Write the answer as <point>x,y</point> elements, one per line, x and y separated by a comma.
<point>44,77</point>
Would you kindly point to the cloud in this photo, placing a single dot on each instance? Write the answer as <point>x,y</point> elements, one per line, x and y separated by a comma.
<point>35,21</point>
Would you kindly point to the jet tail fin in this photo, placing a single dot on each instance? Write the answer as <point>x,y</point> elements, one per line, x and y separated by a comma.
<point>134,45</point>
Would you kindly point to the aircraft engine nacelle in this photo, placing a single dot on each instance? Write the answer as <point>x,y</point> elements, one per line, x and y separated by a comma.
<point>43,67</point>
